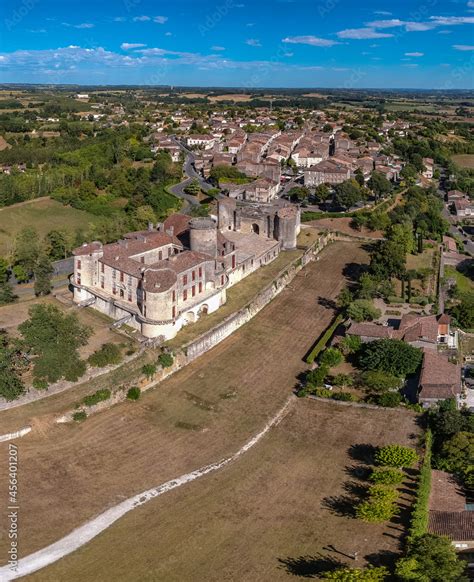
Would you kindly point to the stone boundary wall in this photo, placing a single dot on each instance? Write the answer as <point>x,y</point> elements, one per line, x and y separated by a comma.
<point>15,435</point>
<point>360,404</point>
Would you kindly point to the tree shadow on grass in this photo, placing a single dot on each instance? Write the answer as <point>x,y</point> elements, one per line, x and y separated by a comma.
<point>364,453</point>
<point>309,566</point>
<point>327,303</point>
<point>356,489</point>
<point>382,558</point>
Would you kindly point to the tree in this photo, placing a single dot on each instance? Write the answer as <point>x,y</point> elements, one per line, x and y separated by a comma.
<point>322,192</point>
<point>350,344</point>
<point>165,360</point>
<point>379,184</point>
<point>331,357</point>
<point>359,177</point>
<point>363,310</point>
<point>12,364</point>
<point>149,370</point>
<point>431,558</point>
<point>378,381</point>
<point>53,338</point>
<point>463,311</point>
<point>315,378</point>
<point>392,356</point>
<point>395,456</point>
<point>375,510</point>
<point>58,244</point>
<point>27,249</point>
<point>389,399</point>
<point>43,272</point>
<point>457,453</point>
<point>6,293</point>
<point>344,298</point>
<point>347,194</point>
<point>387,476</point>
<point>356,574</point>
<point>193,187</point>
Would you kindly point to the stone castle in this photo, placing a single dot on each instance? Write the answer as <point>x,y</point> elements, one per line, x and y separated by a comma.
<point>161,279</point>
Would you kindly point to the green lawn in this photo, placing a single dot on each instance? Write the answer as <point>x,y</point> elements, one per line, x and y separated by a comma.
<point>43,215</point>
<point>464,284</point>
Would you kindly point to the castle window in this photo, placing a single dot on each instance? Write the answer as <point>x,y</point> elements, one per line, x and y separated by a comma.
<point>142,259</point>
<point>200,287</point>
<point>144,310</point>
<point>222,279</point>
<point>114,274</point>
<point>79,264</point>
<point>193,290</point>
<point>78,278</point>
<point>185,295</point>
<point>194,275</point>
<point>185,279</point>
<point>174,311</point>
<point>200,271</point>
<point>121,276</point>
<point>102,282</point>
<point>101,267</point>
<point>160,255</point>
<point>174,296</point>
<point>129,295</point>
<point>233,261</point>
<point>114,290</point>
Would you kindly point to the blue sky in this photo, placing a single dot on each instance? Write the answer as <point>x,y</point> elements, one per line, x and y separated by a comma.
<point>239,43</point>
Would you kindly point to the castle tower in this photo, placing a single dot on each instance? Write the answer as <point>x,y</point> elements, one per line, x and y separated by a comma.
<point>203,236</point>
<point>288,226</point>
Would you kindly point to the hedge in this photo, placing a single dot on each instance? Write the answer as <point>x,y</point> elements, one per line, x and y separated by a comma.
<point>419,516</point>
<point>97,397</point>
<point>323,340</point>
<point>79,416</point>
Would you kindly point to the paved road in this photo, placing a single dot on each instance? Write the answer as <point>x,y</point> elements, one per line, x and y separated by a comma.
<point>191,174</point>
<point>454,230</point>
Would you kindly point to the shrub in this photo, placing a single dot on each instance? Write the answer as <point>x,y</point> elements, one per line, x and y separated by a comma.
<point>149,370</point>
<point>323,393</point>
<point>391,356</point>
<point>382,493</point>
<point>375,511</point>
<point>395,456</point>
<point>165,360</point>
<point>363,310</point>
<point>79,415</point>
<point>379,381</point>
<point>331,357</point>
<point>315,378</point>
<point>350,344</point>
<point>386,476</point>
<point>106,355</point>
<point>345,396</point>
<point>369,574</point>
<point>343,380</point>
<point>134,393</point>
<point>389,399</point>
<point>97,397</point>
<point>40,384</point>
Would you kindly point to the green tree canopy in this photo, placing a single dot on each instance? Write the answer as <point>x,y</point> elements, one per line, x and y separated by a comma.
<point>391,356</point>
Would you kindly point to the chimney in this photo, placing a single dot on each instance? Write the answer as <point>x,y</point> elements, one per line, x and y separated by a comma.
<point>150,226</point>
<point>170,231</point>
<point>159,226</point>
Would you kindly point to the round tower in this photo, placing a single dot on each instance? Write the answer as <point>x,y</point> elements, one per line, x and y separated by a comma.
<point>203,236</point>
<point>288,227</point>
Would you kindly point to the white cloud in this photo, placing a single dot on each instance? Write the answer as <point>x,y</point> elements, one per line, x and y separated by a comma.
<point>311,40</point>
<point>131,45</point>
<point>253,42</point>
<point>391,23</point>
<point>470,4</point>
<point>120,19</point>
<point>411,65</point>
<point>160,19</point>
<point>452,20</point>
<point>84,25</point>
<point>168,33</point>
<point>362,33</point>
<point>218,48</point>
<point>382,13</point>
<point>463,47</point>
<point>415,54</point>
<point>141,19</point>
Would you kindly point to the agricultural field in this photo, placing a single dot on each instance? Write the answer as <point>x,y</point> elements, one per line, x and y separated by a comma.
<point>464,160</point>
<point>199,415</point>
<point>43,214</point>
<point>284,506</point>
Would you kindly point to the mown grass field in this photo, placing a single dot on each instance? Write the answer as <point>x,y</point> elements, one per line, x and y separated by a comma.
<point>43,215</point>
<point>281,512</point>
<point>464,160</point>
<point>463,283</point>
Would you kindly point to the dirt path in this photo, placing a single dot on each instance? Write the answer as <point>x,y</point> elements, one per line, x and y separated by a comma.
<point>202,413</point>
<point>83,534</point>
